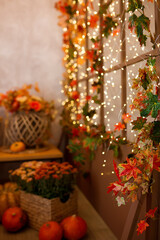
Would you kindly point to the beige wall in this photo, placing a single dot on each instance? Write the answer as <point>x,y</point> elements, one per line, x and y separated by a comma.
<point>30,49</point>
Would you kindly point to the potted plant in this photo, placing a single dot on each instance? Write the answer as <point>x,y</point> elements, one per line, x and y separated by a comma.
<point>47,190</point>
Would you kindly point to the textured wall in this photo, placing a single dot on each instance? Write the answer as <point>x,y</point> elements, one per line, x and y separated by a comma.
<point>30,49</point>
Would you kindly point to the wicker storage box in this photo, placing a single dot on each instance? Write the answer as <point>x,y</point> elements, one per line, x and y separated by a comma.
<point>41,210</point>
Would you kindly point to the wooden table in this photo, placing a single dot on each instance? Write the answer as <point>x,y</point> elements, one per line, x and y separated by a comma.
<point>97,229</point>
<point>50,152</point>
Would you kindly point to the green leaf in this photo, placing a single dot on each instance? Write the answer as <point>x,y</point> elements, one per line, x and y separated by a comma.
<point>134,4</point>
<point>103,8</point>
<point>85,109</point>
<point>155,109</point>
<point>145,112</point>
<point>79,158</point>
<point>152,106</point>
<point>90,143</point>
<point>96,100</point>
<point>139,123</point>
<point>151,61</point>
<point>155,132</point>
<point>115,149</point>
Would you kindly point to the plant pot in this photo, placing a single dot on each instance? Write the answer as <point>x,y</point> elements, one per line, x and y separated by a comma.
<point>30,128</point>
<point>41,210</point>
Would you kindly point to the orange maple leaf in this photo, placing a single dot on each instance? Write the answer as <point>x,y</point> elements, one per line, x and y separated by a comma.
<point>93,21</point>
<point>115,32</point>
<point>119,126</point>
<point>90,55</point>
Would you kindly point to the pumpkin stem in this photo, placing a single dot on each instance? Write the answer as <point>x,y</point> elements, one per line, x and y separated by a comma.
<point>74,215</point>
<point>13,214</point>
<point>47,225</point>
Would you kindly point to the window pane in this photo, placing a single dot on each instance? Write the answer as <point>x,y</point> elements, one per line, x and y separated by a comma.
<point>112,99</point>
<point>112,43</point>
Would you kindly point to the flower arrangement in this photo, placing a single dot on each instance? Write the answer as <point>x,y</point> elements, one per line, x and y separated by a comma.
<point>47,179</point>
<point>21,100</point>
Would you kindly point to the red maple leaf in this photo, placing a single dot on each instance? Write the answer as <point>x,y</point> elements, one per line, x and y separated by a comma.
<point>75,132</point>
<point>116,170</point>
<point>151,213</point>
<point>90,55</point>
<point>142,225</point>
<point>130,169</point>
<point>156,163</point>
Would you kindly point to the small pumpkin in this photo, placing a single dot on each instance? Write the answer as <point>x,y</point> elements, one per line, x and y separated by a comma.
<point>9,197</point>
<point>17,147</point>
<point>74,227</point>
<point>14,219</point>
<point>50,231</point>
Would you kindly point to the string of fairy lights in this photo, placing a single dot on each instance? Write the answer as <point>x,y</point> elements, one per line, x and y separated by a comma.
<point>112,51</point>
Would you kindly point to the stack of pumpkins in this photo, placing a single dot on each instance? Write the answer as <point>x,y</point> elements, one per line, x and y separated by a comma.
<point>14,218</point>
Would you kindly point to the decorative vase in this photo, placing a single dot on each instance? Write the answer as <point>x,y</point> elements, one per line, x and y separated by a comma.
<point>41,210</point>
<point>29,128</point>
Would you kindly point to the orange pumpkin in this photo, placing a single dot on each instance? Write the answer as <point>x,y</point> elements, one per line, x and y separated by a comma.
<point>17,147</point>
<point>74,227</point>
<point>14,219</point>
<point>50,231</point>
<point>9,197</point>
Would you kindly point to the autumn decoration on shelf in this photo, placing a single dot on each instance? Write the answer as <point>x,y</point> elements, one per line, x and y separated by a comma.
<point>28,118</point>
<point>21,100</point>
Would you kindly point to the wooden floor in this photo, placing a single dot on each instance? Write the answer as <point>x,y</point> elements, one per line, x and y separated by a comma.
<point>97,229</point>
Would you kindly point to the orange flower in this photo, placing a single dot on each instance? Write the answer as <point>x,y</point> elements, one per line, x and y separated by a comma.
<point>119,126</point>
<point>93,21</point>
<point>80,60</point>
<point>115,32</point>
<point>35,106</point>
<point>126,117</point>
<point>88,97</point>
<point>78,117</point>
<point>75,95</point>
<point>90,55</point>
<point>73,83</point>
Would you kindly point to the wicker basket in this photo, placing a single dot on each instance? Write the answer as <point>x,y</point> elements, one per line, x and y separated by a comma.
<point>41,210</point>
<point>26,127</point>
